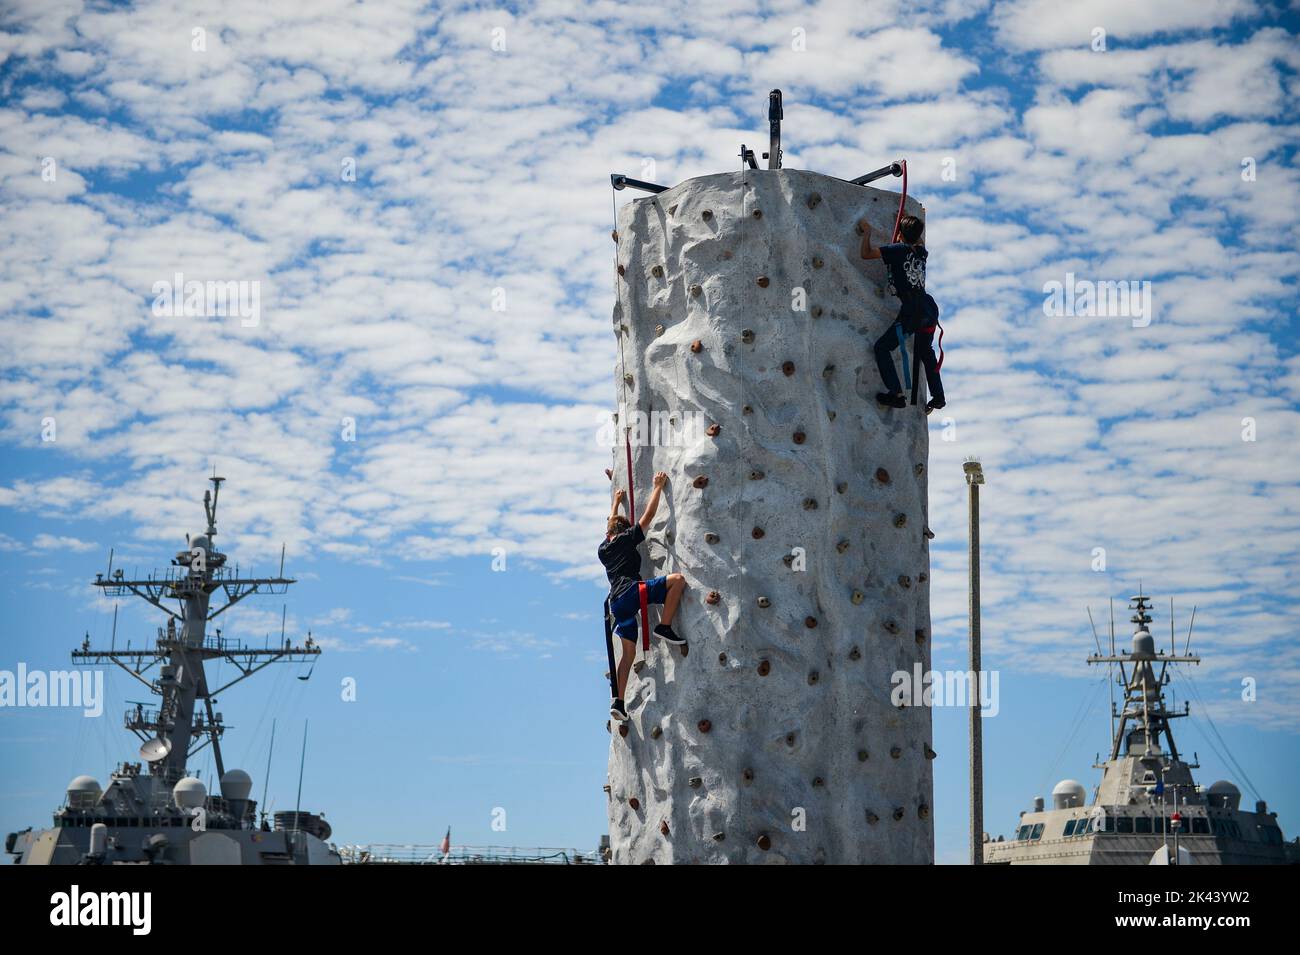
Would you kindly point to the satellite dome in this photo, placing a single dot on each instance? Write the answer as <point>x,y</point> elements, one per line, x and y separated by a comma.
<point>1144,645</point>
<point>83,792</point>
<point>199,539</point>
<point>1224,795</point>
<point>189,793</point>
<point>236,784</point>
<point>1068,794</point>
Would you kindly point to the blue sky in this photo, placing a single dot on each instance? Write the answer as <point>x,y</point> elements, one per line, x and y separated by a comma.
<point>481,168</point>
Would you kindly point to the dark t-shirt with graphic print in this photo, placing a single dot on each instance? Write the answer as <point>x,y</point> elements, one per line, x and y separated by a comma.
<point>905,270</point>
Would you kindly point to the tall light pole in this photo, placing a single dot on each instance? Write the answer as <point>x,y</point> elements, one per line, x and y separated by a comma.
<point>974,478</point>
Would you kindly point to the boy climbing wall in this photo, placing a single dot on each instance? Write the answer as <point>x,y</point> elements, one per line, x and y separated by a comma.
<point>918,312</point>
<point>622,563</point>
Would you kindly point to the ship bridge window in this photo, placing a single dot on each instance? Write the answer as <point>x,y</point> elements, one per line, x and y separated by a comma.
<point>1124,824</point>
<point>1023,834</point>
<point>1069,826</point>
<point>1200,825</point>
<point>1037,833</point>
<point>1142,825</point>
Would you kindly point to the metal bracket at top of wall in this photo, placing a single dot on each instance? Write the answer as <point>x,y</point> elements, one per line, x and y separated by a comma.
<point>621,182</point>
<point>893,169</point>
<point>774,116</point>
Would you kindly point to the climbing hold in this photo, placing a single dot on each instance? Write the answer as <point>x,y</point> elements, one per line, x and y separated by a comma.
<point>842,546</point>
<point>810,622</point>
<point>900,520</point>
<point>764,668</point>
<point>606,788</point>
<point>622,729</point>
<point>858,228</point>
<point>872,818</point>
<point>663,826</point>
<point>695,782</point>
<point>621,270</point>
<point>863,756</point>
<point>672,210</point>
<point>696,291</point>
<point>813,199</point>
<point>828,371</point>
<point>830,415</point>
<point>920,469</point>
<point>706,215</point>
<point>628,379</point>
<point>747,336</point>
<point>764,842</point>
<point>788,368</point>
<point>800,437</point>
<point>789,739</point>
<point>719,836</point>
<point>929,753</point>
<point>697,346</point>
<point>891,626</point>
<point>817,262</point>
<point>810,503</point>
<point>816,311</point>
<point>896,751</point>
<point>857,597</point>
<point>638,666</point>
<point>657,271</point>
<point>722,658</point>
<point>841,487</point>
<point>701,481</point>
<point>905,581</point>
<point>757,213</point>
<point>756,475</point>
<point>763,281</point>
<point>656,733</point>
<point>920,636</point>
<point>757,533</point>
<point>711,538</point>
<point>704,726</point>
<point>929,534</point>
<point>726,254</point>
<point>923,811</point>
<point>747,409</point>
<point>855,654</point>
<point>713,597</point>
<point>614,235</point>
<point>634,802</point>
<point>747,775</point>
<point>813,678</point>
<point>659,330</point>
<point>712,430</point>
<point>788,560</point>
<point>898,813</point>
<point>764,602</point>
<point>817,781</point>
<point>882,475</point>
<point>922,577</point>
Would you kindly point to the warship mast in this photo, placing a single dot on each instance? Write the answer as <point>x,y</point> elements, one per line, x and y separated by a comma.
<point>174,732</point>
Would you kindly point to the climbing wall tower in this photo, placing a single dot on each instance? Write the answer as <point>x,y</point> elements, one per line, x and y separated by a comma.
<point>796,509</point>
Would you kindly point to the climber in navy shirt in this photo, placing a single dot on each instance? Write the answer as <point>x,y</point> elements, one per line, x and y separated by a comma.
<point>918,313</point>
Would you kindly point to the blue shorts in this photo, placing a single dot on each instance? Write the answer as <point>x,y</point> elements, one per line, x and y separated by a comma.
<point>626,608</point>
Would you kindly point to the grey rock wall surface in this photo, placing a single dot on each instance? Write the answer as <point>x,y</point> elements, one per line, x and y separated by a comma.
<point>774,737</point>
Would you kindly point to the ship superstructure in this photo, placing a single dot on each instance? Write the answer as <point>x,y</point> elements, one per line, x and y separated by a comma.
<point>154,810</point>
<point>1147,808</point>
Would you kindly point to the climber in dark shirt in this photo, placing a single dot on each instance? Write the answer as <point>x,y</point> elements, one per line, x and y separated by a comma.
<point>622,563</point>
<point>918,312</point>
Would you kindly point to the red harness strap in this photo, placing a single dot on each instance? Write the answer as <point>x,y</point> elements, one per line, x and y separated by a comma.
<point>644,593</point>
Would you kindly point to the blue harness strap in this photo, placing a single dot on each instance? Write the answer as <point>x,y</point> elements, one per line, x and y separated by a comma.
<point>907,366</point>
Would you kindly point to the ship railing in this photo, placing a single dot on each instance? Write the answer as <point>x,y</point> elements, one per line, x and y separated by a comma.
<point>419,854</point>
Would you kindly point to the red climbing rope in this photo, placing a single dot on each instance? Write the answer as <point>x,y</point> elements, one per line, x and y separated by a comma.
<point>902,200</point>
<point>644,593</point>
<point>631,494</point>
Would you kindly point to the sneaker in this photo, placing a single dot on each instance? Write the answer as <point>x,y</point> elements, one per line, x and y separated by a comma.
<point>618,711</point>
<point>933,405</point>
<point>891,400</point>
<point>670,635</point>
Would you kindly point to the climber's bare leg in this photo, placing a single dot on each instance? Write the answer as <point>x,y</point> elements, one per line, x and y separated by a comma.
<point>625,666</point>
<point>676,585</point>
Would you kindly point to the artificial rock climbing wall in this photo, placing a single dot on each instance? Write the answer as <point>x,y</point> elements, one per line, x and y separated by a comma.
<point>796,509</point>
